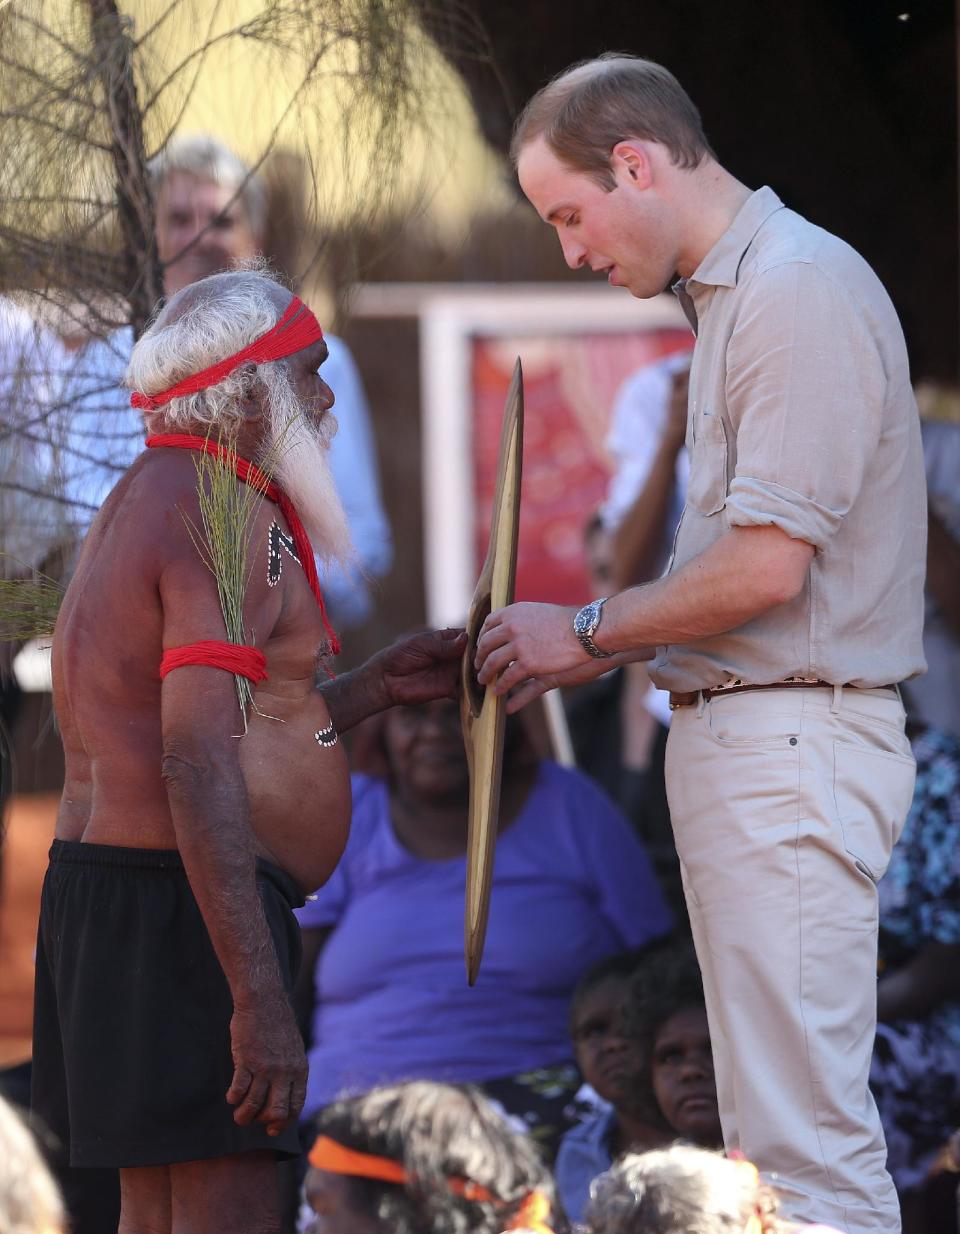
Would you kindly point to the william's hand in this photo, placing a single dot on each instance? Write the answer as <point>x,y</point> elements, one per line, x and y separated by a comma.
<point>527,649</point>
<point>526,641</point>
<point>528,690</point>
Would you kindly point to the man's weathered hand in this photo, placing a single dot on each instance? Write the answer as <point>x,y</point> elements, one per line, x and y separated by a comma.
<point>270,1067</point>
<point>527,640</point>
<point>415,670</point>
<point>422,668</point>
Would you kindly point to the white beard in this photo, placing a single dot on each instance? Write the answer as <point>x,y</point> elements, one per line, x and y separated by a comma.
<point>301,467</point>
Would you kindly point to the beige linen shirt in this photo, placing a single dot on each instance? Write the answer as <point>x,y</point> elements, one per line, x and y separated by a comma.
<point>802,417</point>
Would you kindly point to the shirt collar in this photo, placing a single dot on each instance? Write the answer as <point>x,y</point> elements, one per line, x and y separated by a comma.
<point>722,264</point>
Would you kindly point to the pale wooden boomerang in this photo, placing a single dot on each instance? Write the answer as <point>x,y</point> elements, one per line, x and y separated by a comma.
<point>482,712</point>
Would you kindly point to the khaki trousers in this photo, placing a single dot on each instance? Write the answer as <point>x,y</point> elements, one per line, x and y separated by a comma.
<point>785,806</point>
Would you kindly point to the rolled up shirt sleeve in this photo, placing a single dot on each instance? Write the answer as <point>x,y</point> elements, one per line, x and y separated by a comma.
<point>805,394</point>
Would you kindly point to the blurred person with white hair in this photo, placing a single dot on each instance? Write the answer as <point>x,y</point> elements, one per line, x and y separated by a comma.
<point>684,1190</point>
<point>32,519</point>
<point>211,215</point>
<point>29,1200</point>
<point>191,826</point>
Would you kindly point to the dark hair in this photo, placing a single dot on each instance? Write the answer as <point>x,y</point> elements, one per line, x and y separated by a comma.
<point>623,964</point>
<point>586,110</point>
<point>438,1132</point>
<point>670,983</point>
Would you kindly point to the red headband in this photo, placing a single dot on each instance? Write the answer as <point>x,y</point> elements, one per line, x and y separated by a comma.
<point>296,329</point>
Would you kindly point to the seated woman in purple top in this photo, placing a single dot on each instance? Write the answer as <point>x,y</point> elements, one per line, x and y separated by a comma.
<point>383,940</point>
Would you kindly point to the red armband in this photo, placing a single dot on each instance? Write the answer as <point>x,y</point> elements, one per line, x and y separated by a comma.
<point>249,662</point>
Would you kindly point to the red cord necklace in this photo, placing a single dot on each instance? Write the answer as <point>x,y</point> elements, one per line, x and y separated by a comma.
<point>216,653</point>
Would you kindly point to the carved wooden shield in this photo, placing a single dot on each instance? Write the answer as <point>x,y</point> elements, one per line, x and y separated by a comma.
<point>483,713</point>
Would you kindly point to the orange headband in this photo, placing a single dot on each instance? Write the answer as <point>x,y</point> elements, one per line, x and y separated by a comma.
<point>336,1158</point>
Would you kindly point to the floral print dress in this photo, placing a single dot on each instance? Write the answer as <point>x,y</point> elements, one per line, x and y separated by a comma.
<point>915,1075</point>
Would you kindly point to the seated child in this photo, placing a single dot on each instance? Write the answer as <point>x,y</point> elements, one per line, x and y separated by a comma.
<point>667,1017</point>
<point>684,1190</point>
<point>640,1037</point>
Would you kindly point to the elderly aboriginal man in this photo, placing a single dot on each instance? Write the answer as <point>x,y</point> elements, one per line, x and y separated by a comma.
<point>792,607</point>
<point>165,1039</point>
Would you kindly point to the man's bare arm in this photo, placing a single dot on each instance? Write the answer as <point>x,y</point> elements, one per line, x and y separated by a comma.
<point>749,571</point>
<point>211,816</point>
<point>415,670</point>
<point>210,811</point>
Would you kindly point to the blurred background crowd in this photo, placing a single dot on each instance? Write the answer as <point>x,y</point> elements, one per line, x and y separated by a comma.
<point>361,148</point>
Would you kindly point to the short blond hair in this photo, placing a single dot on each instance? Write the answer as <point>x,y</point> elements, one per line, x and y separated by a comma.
<point>585,111</point>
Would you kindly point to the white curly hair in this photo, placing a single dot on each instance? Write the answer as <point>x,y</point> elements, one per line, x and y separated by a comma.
<point>681,1190</point>
<point>207,322</point>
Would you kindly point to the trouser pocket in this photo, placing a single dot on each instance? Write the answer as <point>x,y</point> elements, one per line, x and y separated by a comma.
<point>872,791</point>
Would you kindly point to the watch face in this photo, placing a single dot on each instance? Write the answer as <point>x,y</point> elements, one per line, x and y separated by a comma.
<point>587,618</point>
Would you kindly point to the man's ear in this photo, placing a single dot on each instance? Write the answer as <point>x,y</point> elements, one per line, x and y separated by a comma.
<point>251,405</point>
<point>630,162</point>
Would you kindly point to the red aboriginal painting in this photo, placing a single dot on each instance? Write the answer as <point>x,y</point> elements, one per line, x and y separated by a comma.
<point>569,387</point>
<point>576,347</point>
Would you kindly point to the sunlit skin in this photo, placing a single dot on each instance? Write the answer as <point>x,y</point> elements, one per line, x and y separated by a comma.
<point>202,228</point>
<point>528,647</point>
<point>305,842</point>
<point>683,1082</point>
<point>627,233</point>
<point>657,221</point>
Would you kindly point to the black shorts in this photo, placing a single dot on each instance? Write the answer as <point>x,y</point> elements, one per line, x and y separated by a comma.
<point>131,1053</point>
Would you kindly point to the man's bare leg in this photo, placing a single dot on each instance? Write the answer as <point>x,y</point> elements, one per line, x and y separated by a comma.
<point>145,1200</point>
<point>238,1193</point>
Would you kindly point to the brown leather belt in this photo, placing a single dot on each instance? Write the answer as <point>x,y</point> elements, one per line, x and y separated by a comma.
<point>692,697</point>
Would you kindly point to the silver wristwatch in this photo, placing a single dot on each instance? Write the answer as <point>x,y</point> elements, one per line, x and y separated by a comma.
<point>585,625</point>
